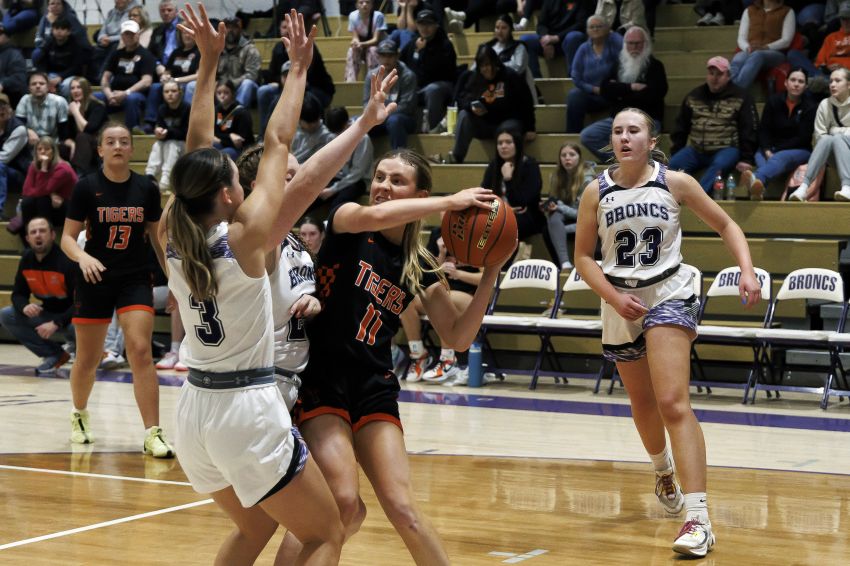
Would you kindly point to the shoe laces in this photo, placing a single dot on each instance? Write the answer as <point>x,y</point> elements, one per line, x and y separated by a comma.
<point>665,485</point>
<point>690,527</point>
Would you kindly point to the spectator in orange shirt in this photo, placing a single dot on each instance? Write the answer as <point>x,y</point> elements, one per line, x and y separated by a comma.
<point>834,53</point>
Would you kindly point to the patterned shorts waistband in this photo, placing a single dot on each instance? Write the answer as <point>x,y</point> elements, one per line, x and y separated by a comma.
<point>638,283</point>
<point>230,379</point>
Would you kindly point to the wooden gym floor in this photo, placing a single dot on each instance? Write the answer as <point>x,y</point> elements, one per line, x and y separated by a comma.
<point>508,476</point>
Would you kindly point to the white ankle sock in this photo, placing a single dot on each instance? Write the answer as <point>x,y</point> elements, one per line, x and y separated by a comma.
<point>696,507</point>
<point>803,188</point>
<point>175,347</point>
<point>447,354</point>
<point>845,188</point>
<point>663,460</point>
<point>417,349</point>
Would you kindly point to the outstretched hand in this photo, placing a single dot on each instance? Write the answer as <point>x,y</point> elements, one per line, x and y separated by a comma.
<point>210,41</point>
<point>377,110</point>
<point>299,44</point>
<point>466,198</point>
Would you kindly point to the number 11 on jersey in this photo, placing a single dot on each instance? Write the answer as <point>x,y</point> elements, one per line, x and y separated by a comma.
<point>370,325</point>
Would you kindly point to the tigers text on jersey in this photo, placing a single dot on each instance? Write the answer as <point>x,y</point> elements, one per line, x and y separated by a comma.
<point>359,283</point>
<point>232,331</point>
<point>295,276</point>
<point>639,227</point>
<point>116,215</point>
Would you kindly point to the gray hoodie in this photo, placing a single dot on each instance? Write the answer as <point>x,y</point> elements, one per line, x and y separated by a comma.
<point>240,62</point>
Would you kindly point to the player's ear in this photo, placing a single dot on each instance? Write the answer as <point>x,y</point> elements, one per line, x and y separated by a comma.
<point>422,193</point>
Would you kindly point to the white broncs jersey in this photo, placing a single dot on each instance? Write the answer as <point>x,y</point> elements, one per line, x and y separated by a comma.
<point>639,227</point>
<point>295,276</point>
<point>232,331</point>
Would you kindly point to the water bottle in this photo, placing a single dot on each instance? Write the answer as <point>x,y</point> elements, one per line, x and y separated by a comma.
<point>729,194</point>
<point>717,189</point>
<point>475,369</point>
<point>425,127</point>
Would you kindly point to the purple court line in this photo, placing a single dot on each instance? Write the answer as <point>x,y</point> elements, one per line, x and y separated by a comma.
<point>525,404</point>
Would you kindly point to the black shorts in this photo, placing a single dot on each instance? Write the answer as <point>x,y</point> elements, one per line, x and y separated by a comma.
<point>95,303</point>
<point>357,395</point>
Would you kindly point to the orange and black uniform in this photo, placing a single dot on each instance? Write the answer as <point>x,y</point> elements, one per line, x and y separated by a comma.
<point>50,280</point>
<point>116,216</point>
<point>358,280</point>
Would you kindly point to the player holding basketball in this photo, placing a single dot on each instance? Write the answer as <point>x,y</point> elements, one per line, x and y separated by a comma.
<point>370,267</point>
<point>235,437</point>
<point>649,310</point>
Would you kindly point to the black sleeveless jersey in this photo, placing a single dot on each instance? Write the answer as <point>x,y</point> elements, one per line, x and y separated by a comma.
<point>358,281</point>
<point>116,215</point>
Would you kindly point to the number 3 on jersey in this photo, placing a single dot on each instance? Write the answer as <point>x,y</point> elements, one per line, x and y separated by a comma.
<point>369,325</point>
<point>122,233</point>
<point>210,332</point>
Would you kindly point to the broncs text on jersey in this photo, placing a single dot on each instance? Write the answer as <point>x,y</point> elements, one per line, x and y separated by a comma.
<point>388,295</point>
<point>636,210</point>
<point>121,214</point>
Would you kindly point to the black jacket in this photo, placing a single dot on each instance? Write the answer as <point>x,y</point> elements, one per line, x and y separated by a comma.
<point>234,119</point>
<point>50,280</point>
<point>780,130</point>
<point>66,60</point>
<point>317,73</point>
<point>505,97</point>
<point>557,18</point>
<point>13,72</point>
<point>174,120</point>
<point>650,99</point>
<point>437,61</point>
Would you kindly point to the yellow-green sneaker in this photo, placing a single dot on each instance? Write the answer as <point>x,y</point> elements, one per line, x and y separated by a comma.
<point>155,444</point>
<point>80,431</point>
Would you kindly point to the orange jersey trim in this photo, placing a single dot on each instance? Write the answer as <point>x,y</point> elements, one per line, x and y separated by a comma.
<point>306,416</point>
<point>76,320</point>
<point>135,308</point>
<point>376,417</point>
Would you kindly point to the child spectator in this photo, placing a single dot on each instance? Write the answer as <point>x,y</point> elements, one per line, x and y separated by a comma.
<point>234,130</point>
<point>566,184</point>
<point>172,125</point>
<point>367,27</point>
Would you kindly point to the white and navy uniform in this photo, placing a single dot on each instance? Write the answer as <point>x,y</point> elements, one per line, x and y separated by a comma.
<point>641,252</point>
<point>232,428</point>
<point>295,276</point>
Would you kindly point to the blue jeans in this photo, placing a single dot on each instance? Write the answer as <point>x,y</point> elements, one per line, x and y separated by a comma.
<point>572,42</point>
<point>64,87</point>
<point>22,21</point>
<point>267,97</point>
<point>230,151</point>
<point>246,93</point>
<point>747,66</point>
<point>9,176</point>
<point>579,104</point>
<point>535,51</point>
<point>779,163</point>
<point>800,59</point>
<point>811,14</point>
<point>598,135</point>
<point>22,327</point>
<point>719,162</point>
<point>133,107</point>
<point>402,37</point>
<point>435,97</point>
<point>398,126</point>
<point>155,99</point>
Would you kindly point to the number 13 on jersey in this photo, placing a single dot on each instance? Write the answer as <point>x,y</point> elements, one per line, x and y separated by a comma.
<point>119,237</point>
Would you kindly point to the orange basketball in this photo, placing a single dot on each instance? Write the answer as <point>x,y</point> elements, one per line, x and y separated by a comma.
<point>479,236</point>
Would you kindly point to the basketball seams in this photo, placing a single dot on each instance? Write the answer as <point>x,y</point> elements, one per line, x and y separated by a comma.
<point>494,234</point>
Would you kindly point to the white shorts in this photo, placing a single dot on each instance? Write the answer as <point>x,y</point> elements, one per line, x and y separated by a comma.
<point>670,302</point>
<point>234,437</point>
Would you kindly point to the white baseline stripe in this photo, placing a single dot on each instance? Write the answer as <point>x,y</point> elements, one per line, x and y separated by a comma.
<point>105,524</point>
<point>88,475</point>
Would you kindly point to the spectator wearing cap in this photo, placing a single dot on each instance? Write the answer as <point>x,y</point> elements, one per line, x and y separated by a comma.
<point>109,35</point>
<point>716,127</point>
<point>319,82</point>
<point>240,62</point>
<point>834,53</point>
<point>367,27</point>
<point>405,30</point>
<point>15,154</point>
<point>20,15</point>
<point>765,31</point>
<point>13,69</point>
<point>432,58</point>
<point>44,113</point>
<point>62,57</point>
<point>402,122</point>
<point>312,134</point>
<point>127,75</point>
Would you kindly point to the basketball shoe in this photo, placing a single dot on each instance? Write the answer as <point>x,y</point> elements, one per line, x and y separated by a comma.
<point>444,370</point>
<point>668,492</point>
<point>155,444</point>
<point>80,431</point>
<point>694,539</point>
<point>418,367</point>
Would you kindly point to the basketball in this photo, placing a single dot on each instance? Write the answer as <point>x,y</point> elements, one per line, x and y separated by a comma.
<point>479,236</point>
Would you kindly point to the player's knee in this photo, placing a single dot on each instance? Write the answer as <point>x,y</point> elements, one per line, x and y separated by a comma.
<point>403,515</point>
<point>352,511</point>
<point>674,408</point>
<point>138,351</point>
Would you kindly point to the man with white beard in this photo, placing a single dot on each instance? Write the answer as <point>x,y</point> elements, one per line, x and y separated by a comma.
<point>639,81</point>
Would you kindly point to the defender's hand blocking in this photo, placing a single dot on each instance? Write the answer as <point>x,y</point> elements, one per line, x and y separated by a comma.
<point>377,110</point>
<point>299,44</point>
<point>210,40</point>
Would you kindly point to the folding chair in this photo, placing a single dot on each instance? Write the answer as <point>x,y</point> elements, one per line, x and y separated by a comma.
<point>804,284</point>
<point>525,274</point>
<point>726,285</point>
<point>558,325</point>
<point>842,343</point>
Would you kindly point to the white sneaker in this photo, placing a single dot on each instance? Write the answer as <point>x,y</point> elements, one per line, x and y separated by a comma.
<point>80,430</point>
<point>111,360</point>
<point>705,19</point>
<point>180,366</point>
<point>717,20</point>
<point>461,377</point>
<point>168,361</point>
<point>521,25</point>
<point>566,265</point>
<point>694,539</point>
<point>454,14</point>
<point>799,194</point>
<point>455,27</point>
<point>418,367</point>
<point>843,194</point>
<point>444,370</point>
<point>668,492</point>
